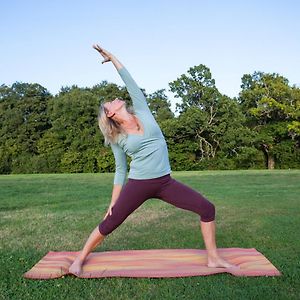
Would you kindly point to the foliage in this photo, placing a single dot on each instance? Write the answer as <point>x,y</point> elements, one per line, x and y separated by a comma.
<point>210,124</point>
<point>160,106</point>
<point>272,108</point>
<point>24,120</point>
<point>42,133</point>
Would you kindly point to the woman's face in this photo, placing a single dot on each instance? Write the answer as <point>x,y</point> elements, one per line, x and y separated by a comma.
<point>113,106</point>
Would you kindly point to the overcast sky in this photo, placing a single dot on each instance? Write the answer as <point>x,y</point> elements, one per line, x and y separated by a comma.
<point>50,42</point>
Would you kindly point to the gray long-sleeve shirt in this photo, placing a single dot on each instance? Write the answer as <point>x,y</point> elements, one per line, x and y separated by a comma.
<point>148,152</point>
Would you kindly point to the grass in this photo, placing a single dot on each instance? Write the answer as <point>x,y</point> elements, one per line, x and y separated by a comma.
<point>57,212</point>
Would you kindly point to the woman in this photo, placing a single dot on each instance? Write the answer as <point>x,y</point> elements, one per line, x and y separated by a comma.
<point>139,136</point>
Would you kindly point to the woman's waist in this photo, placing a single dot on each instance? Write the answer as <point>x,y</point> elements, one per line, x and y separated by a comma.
<point>150,167</point>
<point>156,178</point>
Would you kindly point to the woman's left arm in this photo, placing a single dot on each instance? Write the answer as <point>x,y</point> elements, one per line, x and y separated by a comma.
<point>138,98</point>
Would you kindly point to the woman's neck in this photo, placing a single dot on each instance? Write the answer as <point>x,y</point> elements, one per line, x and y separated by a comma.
<point>128,121</point>
<point>125,119</point>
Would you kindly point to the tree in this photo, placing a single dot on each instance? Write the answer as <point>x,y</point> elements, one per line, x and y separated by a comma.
<point>74,131</point>
<point>24,120</point>
<point>105,91</point>
<point>272,109</point>
<point>196,89</point>
<point>160,106</point>
<point>212,123</point>
<point>74,143</point>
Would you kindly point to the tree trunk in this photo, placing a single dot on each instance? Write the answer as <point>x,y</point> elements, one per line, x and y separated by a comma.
<point>270,162</point>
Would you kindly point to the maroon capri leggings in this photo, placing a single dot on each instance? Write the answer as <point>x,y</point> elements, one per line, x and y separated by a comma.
<point>136,191</point>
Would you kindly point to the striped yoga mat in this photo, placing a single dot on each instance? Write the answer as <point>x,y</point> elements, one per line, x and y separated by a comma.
<point>152,263</point>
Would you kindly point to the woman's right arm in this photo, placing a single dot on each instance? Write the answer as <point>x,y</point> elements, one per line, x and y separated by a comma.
<point>114,197</point>
<point>120,164</point>
<point>120,175</point>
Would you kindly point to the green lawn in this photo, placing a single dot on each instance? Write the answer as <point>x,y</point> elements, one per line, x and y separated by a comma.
<point>255,209</point>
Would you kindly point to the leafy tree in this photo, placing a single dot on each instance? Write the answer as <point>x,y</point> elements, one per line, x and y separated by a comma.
<point>24,119</point>
<point>42,133</point>
<point>272,108</point>
<point>74,131</point>
<point>105,91</point>
<point>196,89</point>
<point>211,122</point>
<point>74,143</point>
<point>160,106</point>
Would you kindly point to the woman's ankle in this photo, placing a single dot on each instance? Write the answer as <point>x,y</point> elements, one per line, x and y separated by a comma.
<point>212,254</point>
<point>80,257</point>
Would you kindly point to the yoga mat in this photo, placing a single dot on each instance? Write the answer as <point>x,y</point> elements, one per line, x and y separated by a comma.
<point>152,263</point>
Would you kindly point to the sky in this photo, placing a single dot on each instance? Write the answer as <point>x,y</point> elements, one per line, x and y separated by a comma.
<point>50,42</point>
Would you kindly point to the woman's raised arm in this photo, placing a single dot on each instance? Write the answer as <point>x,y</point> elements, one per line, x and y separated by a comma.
<point>138,98</point>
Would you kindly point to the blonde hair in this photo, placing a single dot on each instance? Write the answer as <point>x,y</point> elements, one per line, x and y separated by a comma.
<point>110,129</point>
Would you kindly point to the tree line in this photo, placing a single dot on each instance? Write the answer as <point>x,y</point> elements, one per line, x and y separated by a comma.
<point>45,133</point>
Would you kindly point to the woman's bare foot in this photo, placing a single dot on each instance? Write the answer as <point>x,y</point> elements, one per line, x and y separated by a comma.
<point>76,267</point>
<point>218,262</point>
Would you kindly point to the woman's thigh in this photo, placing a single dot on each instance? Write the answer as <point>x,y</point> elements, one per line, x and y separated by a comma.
<point>132,195</point>
<point>182,196</point>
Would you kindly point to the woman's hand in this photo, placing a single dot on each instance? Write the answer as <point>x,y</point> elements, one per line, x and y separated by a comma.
<point>106,55</point>
<point>109,211</point>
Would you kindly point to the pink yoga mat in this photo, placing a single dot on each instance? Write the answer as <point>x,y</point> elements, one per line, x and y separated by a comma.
<point>153,263</point>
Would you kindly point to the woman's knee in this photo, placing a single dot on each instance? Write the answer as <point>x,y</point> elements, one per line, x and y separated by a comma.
<point>111,222</point>
<point>101,230</point>
<point>209,213</point>
<point>104,230</point>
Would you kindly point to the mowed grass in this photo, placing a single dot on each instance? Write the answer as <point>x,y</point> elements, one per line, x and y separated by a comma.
<point>255,209</point>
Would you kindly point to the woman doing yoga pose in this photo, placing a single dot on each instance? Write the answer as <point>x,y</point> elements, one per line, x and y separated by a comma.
<point>138,135</point>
